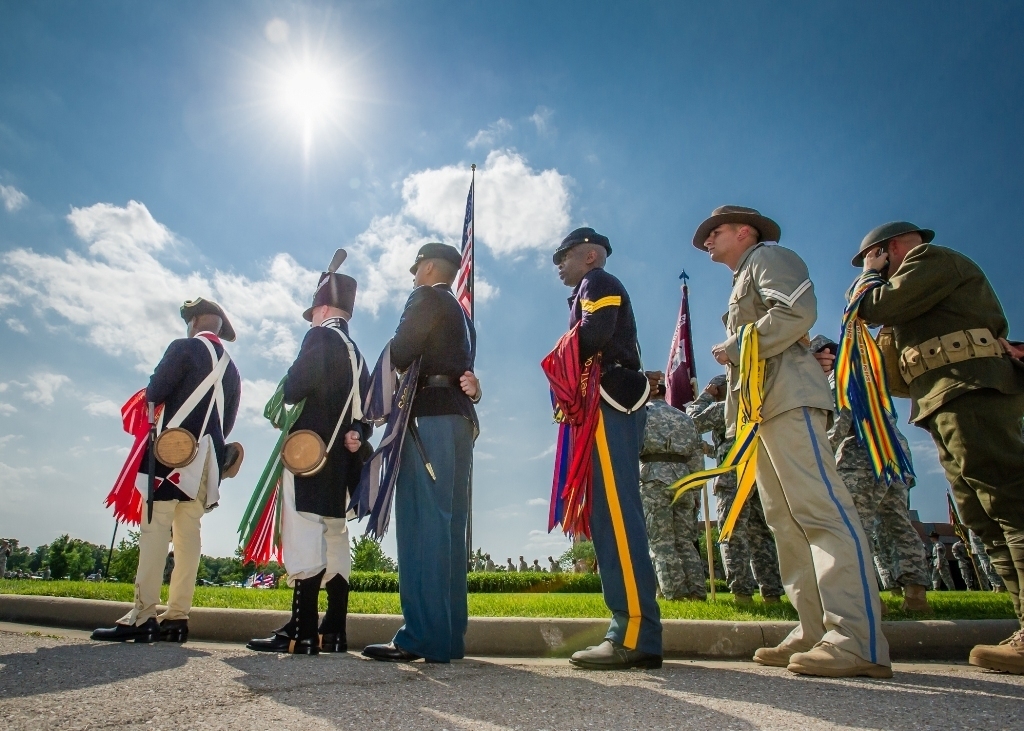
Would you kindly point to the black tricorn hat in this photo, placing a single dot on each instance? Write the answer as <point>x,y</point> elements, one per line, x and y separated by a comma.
<point>584,235</point>
<point>437,251</point>
<point>334,290</point>
<point>200,306</point>
<point>888,231</point>
<point>767,229</point>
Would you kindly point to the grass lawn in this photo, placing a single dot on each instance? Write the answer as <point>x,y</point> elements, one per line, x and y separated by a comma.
<point>947,605</point>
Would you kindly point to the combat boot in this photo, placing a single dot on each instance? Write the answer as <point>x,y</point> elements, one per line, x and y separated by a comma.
<point>897,590</point>
<point>612,656</point>
<point>770,599</point>
<point>776,657</point>
<point>828,661</point>
<point>915,599</point>
<point>333,637</point>
<point>1007,656</point>
<point>742,600</point>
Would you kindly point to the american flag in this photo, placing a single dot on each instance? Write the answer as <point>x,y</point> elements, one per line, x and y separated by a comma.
<point>681,372</point>
<point>261,581</point>
<point>464,282</point>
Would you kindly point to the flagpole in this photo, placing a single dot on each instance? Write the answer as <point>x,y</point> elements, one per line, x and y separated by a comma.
<point>707,538</point>
<point>472,317</point>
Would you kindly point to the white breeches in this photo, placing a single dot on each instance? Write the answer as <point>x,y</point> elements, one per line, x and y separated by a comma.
<point>312,543</point>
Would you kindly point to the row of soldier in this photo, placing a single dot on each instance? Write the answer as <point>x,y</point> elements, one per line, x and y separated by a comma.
<point>965,381</point>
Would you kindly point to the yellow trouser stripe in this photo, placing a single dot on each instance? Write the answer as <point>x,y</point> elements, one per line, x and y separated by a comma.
<point>612,300</point>
<point>619,528</point>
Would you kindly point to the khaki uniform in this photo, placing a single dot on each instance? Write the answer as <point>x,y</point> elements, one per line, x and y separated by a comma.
<point>972,407</point>
<point>824,556</point>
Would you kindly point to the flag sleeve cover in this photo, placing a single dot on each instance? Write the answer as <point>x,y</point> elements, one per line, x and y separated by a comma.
<point>576,395</point>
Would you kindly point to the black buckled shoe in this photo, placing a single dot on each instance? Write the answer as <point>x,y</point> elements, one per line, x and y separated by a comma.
<point>389,653</point>
<point>148,631</point>
<point>333,642</point>
<point>283,643</point>
<point>174,630</point>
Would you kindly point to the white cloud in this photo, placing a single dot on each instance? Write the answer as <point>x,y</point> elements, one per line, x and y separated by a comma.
<point>518,209</point>
<point>7,409</point>
<point>276,31</point>
<point>255,395</point>
<point>13,198</point>
<point>541,119</point>
<point>546,453</point>
<point>16,325</point>
<point>106,407</point>
<point>45,387</point>
<point>488,137</point>
<point>126,301</point>
<point>9,438</point>
<point>537,501</point>
<point>4,387</point>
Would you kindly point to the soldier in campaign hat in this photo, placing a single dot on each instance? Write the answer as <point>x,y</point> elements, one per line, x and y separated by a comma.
<point>199,387</point>
<point>966,384</point>
<point>432,490</point>
<point>601,307</point>
<point>330,376</point>
<point>820,542</point>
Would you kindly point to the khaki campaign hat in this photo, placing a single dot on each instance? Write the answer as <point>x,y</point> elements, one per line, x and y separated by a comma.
<point>767,229</point>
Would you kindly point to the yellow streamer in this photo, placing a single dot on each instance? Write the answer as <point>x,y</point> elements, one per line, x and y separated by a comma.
<point>743,455</point>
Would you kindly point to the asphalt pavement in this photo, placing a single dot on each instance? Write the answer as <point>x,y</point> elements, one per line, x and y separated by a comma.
<point>58,679</point>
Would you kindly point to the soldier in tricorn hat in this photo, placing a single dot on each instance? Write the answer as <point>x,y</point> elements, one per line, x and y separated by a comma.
<point>199,387</point>
<point>330,375</point>
<point>966,384</point>
<point>820,542</point>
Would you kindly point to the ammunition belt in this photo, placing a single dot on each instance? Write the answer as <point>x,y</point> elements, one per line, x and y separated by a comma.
<point>954,347</point>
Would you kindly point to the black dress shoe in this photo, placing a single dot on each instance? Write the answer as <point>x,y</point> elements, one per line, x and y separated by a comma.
<point>389,653</point>
<point>282,643</point>
<point>333,642</point>
<point>148,631</point>
<point>174,630</point>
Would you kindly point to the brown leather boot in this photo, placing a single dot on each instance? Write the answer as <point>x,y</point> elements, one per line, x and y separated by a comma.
<point>915,600</point>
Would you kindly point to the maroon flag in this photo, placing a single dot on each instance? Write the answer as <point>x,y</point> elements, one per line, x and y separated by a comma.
<point>681,372</point>
<point>464,281</point>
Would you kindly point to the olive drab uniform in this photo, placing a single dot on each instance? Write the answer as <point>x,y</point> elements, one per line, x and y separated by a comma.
<point>824,555</point>
<point>964,390</point>
<point>671,450</point>
<point>750,558</point>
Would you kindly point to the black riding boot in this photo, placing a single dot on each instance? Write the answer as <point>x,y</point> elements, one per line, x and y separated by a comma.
<point>299,635</point>
<point>332,628</point>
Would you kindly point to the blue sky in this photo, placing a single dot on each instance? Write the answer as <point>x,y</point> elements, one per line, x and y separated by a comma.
<point>153,154</point>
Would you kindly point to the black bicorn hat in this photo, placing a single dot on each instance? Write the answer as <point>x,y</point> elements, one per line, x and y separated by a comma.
<point>334,290</point>
<point>437,251</point>
<point>583,235</point>
<point>886,231</point>
<point>200,306</point>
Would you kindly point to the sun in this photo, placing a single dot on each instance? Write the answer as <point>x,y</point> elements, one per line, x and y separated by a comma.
<point>309,92</point>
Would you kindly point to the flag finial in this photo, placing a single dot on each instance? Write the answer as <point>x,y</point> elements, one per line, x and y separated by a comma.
<point>683,275</point>
<point>473,167</point>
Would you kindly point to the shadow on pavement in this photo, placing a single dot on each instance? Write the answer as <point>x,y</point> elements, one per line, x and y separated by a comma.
<point>478,694</point>
<point>85,665</point>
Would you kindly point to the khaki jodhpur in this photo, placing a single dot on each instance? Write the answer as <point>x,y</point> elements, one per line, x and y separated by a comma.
<point>824,555</point>
<point>179,519</point>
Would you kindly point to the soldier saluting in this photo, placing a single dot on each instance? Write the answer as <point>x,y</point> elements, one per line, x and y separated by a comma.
<point>330,376</point>
<point>199,388</point>
<point>966,386</point>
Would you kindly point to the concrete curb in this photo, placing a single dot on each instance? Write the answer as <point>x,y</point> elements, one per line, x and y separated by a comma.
<point>524,636</point>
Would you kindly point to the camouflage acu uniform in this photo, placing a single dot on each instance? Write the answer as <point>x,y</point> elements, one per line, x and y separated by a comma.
<point>752,544</point>
<point>940,569</point>
<point>883,510</point>
<point>989,575</point>
<point>963,560</point>
<point>671,527</point>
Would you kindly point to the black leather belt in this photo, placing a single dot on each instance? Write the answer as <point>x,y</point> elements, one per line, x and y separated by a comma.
<point>675,458</point>
<point>435,382</point>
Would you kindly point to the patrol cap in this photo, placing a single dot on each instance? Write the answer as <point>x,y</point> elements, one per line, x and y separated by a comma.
<point>334,290</point>
<point>583,235</point>
<point>767,229</point>
<point>888,231</point>
<point>200,306</point>
<point>718,381</point>
<point>820,341</point>
<point>437,251</point>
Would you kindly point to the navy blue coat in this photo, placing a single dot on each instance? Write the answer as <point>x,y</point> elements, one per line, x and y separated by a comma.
<point>184,366</point>
<point>322,374</point>
<point>435,327</point>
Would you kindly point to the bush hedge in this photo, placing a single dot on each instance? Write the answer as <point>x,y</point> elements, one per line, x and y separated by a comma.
<point>499,582</point>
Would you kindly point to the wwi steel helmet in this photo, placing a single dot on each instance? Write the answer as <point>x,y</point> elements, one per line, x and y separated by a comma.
<point>886,231</point>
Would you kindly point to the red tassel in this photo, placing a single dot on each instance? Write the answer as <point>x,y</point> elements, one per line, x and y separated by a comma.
<point>123,496</point>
